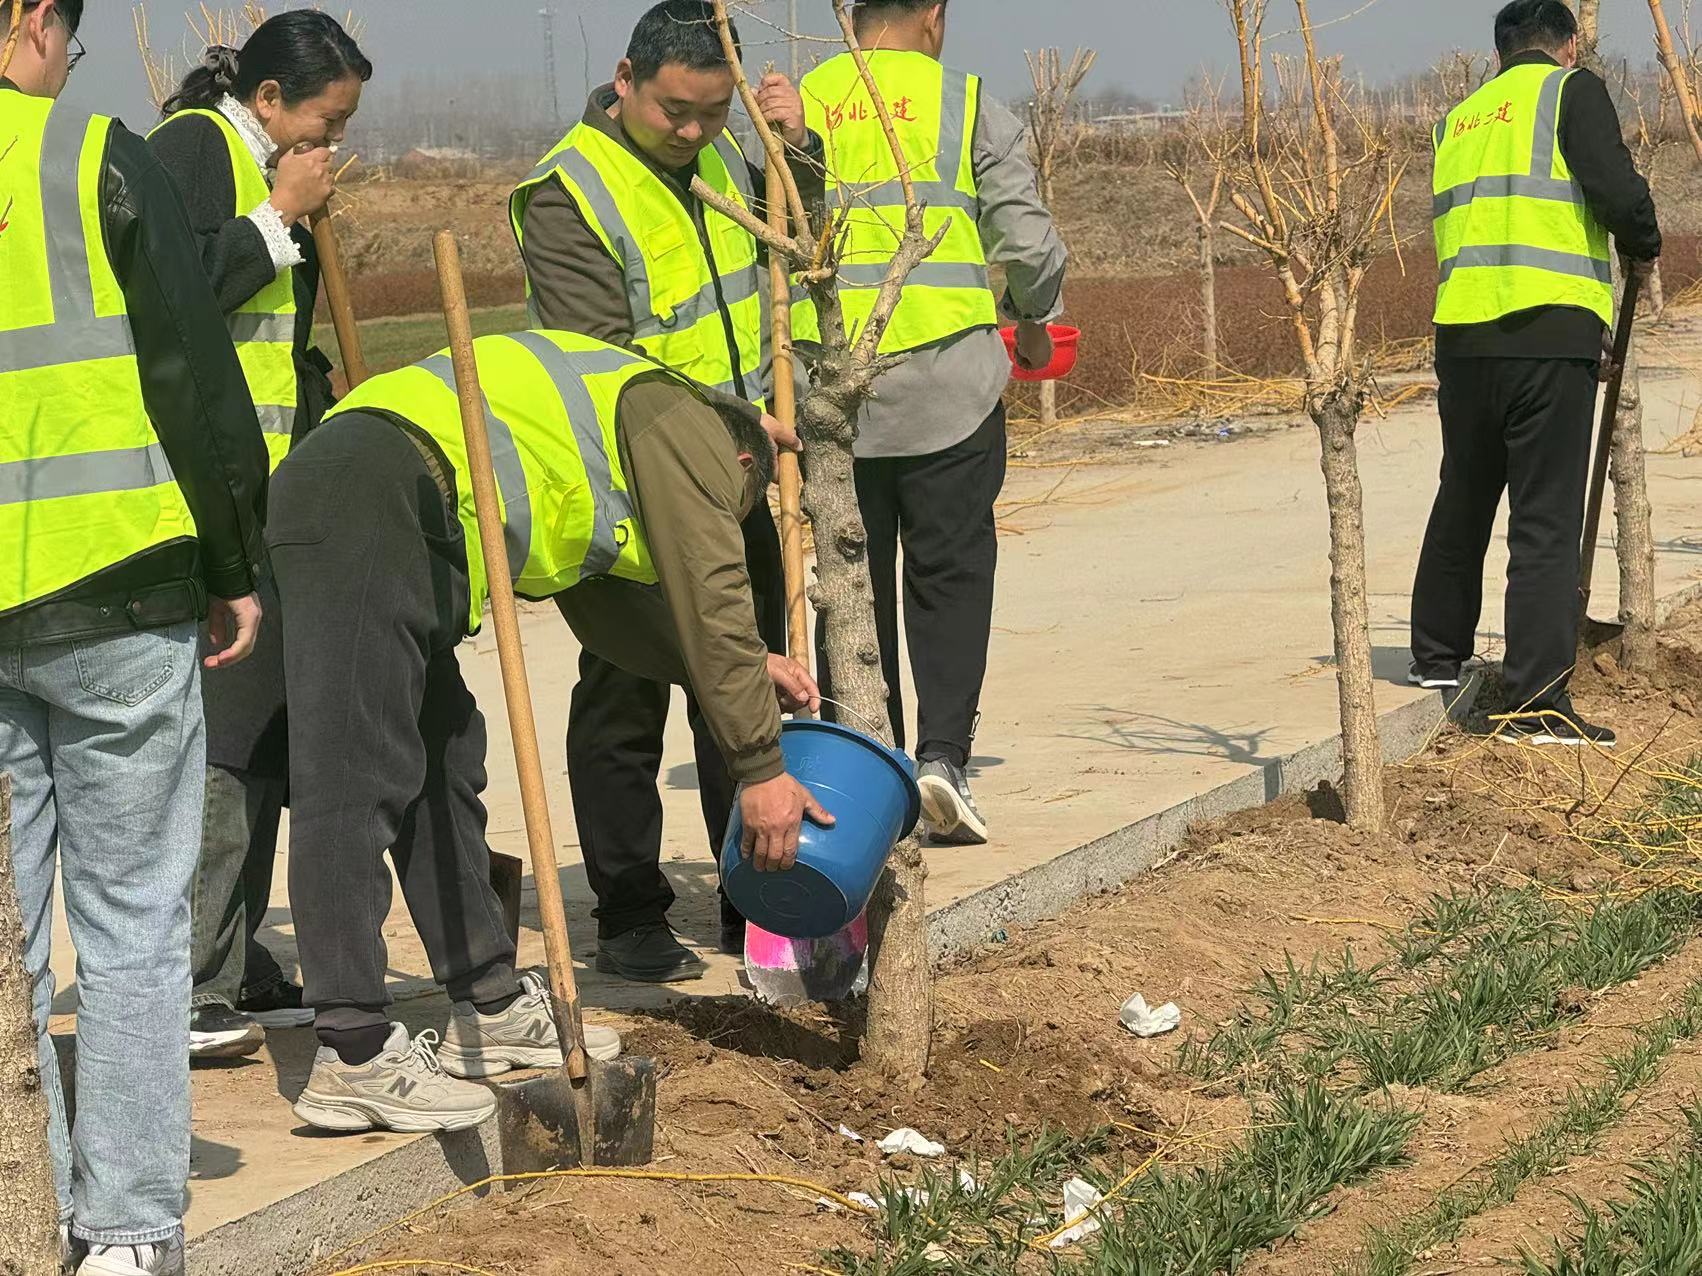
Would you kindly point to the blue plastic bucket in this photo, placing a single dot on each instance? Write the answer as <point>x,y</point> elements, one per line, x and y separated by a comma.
<point>871,792</point>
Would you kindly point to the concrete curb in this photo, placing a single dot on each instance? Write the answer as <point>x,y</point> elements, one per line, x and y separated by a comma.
<point>293,1235</point>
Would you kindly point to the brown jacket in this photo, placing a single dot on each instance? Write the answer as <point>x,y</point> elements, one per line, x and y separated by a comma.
<point>696,627</point>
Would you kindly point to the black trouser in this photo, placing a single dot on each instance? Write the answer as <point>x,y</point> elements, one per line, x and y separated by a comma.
<point>233,888</point>
<point>387,747</point>
<point>614,755</point>
<point>1523,426</point>
<point>940,507</point>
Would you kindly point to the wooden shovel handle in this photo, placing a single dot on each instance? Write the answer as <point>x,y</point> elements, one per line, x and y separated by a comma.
<point>337,297</point>
<point>516,688</point>
<point>785,408</point>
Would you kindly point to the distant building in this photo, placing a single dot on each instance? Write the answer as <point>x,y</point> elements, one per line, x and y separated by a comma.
<point>1142,121</point>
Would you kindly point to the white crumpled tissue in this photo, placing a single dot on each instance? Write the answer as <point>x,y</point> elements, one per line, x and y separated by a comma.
<point>911,1141</point>
<point>1080,1196</point>
<point>1143,1021</point>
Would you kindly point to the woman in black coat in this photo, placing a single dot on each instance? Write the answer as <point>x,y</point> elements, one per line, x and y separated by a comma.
<point>250,137</point>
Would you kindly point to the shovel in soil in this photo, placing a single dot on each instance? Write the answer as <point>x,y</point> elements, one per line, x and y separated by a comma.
<point>587,1112</point>
<point>786,971</point>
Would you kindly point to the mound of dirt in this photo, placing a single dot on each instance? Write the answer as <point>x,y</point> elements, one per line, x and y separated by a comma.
<point>1027,1032</point>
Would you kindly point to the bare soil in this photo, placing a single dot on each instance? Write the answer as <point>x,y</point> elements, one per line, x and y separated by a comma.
<point>1027,1032</point>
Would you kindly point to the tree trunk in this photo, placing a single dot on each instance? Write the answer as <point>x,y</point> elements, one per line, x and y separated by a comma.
<point>1589,33</point>
<point>1635,547</point>
<point>1048,403</point>
<point>1208,295</point>
<point>899,1035</point>
<point>1680,76</point>
<point>1337,416</point>
<point>29,1207</point>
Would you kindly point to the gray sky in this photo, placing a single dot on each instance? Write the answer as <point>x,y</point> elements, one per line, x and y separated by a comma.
<point>1148,47</point>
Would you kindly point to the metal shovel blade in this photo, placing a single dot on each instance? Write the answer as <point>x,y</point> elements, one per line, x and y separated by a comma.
<point>538,1121</point>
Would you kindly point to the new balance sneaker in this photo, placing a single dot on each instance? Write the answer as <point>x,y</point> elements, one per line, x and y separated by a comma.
<point>1436,678</point>
<point>1560,725</point>
<point>218,1032</point>
<point>948,807</point>
<point>161,1258</point>
<point>523,1036</point>
<point>403,1088</point>
<point>277,1005</point>
<point>649,954</point>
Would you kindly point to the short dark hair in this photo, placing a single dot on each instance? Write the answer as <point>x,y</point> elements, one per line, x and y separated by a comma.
<point>70,10</point>
<point>1534,24</point>
<point>677,31</point>
<point>872,7</point>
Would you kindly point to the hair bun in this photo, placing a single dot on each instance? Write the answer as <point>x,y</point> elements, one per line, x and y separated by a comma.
<point>221,60</point>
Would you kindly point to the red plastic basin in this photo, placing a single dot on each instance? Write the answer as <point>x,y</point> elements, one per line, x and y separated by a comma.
<point>1065,339</point>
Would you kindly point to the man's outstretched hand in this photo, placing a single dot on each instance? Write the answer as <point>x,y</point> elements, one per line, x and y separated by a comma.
<point>774,813</point>
<point>793,685</point>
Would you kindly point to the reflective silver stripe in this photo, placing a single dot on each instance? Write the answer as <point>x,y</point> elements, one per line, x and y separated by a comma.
<point>1547,125</point>
<point>62,211</point>
<point>737,168</point>
<point>76,335</point>
<point>606,211</point>
<point>933,194</point>
<point>609,508</point>
<point>248,326</point>
<point>736,289</point>
<point>50,345</point>
<point>954,120</point>
<point>546,166</point>
<point>510,473</point>
<point>1538,258</point>
<point>929,274</point>
<point>1505,187</point>
<point>275,418</point>
<point>53,478</point>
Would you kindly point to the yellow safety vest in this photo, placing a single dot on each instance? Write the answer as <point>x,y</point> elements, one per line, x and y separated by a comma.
<point>1512,229</point>
<point>672,287</point>
<point>933,110</point>
<point>263,327</point>
<point>84,482</point>
<point>550,406</point>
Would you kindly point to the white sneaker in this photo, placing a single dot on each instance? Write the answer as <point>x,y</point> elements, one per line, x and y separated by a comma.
<point>523,1036</point>
<point>161,1258</point>
<point>403,1088</point>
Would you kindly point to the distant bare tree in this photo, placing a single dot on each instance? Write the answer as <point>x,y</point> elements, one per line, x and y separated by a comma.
<point>1056,84</point>
<point>1315,203</point>
<point>1685,74</point>
<point>1199,168</point>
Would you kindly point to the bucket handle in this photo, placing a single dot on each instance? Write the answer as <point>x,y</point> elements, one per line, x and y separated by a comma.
<point>839,704</point>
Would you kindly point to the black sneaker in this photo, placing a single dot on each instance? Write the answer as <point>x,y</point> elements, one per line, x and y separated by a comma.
<point>1560,725</point>
<point>649,955</point>
<point>218,1032</point>
<point>1435,678</point>
<point>277,1005</point>
<point>948,807</point>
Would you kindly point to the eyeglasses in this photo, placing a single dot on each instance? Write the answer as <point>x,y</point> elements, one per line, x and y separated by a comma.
<point>78,53</point>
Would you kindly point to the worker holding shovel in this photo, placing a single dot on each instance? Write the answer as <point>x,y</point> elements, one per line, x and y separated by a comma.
<point>623,491</point>
<point>1532,176</point>
<point>249,138</point>
<point>617,247</point>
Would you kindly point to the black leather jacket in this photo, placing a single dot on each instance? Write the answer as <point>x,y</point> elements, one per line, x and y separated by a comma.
<point>199,403</point>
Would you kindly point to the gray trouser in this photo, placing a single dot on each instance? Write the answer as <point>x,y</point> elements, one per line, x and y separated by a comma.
<point>104,742</point>
<point>233,885</point>
<point>387,745</point>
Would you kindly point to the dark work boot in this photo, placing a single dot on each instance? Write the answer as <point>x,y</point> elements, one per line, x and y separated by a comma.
<point>649,954</point>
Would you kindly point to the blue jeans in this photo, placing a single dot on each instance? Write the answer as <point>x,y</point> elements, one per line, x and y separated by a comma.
<point>105,745</point>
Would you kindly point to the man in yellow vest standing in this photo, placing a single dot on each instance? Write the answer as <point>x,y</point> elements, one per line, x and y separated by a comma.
<point>1532,176</point>
<point>131,485</point>
<point>931,445</point>
<point>622,493</point>
<point>617,248</point>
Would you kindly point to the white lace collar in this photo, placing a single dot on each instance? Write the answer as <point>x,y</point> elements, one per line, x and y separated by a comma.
<point>251,130</point>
